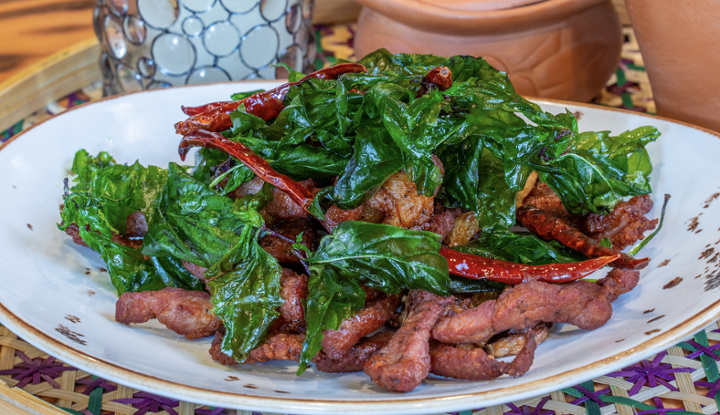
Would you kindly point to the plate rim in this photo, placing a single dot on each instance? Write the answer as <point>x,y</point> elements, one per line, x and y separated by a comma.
<point>120,374</point>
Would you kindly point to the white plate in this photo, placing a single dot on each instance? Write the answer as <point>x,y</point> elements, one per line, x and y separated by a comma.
<point>46,280</point>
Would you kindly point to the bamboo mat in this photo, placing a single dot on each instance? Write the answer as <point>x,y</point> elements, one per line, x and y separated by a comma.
<point>682,380</point>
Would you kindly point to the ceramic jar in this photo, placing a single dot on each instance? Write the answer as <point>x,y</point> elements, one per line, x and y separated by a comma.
<point>679,42</point>
<point>564,49</point>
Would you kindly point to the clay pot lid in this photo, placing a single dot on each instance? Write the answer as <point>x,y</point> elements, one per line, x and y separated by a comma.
<point>478,17</point>
<point>479,5</point>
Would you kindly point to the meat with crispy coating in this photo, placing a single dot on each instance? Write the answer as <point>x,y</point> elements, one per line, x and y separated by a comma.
<point>367,320</point>
<point>582,303</point>
<point>136,226</point>
<point>335,216</point>
<point>216,350</point>
<point>353,359</point>
<point>544,197</point>
<point>442,222</point>
<point>404,362</point>
<point>472,363</point>
<point>196,270</point>
<point>624,226</point>
<point>513,342</point>
<point>188,313</point>
<point>277,346</point>
<point>402,205</point>
<point>282,249</point>
<point>294,290</point>
<point>281,207</point>
<point>464,228</point>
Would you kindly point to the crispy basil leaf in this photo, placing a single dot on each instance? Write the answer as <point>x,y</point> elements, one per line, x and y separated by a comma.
<point>105,194</point>
<point>376,158</point>
<point>130,271</point>
<point>245,287</point>
<point>384,257</point>
<point>383,62</point>
<point>522,248</point>
<point>191,222</point>
<point>331,299</point>
<point>599,170</point>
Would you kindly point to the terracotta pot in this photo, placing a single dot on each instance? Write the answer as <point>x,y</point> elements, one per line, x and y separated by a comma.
<point>679,43</point>
<point>564,49</point>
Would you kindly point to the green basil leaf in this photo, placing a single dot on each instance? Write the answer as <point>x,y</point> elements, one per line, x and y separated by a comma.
<point>191,222</point>
<point>384,257</point>
<point>521,248</point>
<point>331,299</point>
<point>245,287</point>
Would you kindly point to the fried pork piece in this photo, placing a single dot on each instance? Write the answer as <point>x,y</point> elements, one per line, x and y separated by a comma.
<point>281,249</point>
<point>294,290</point>
<point>353,359</point>
<point>402,205</point>
<point>473,325</point>
<point>370,318</point>
<point>185,312</point>
<point>624,226</point>
<point>472,363</point>
<point>334,216</point>
<point>582,303</point>
<point>514,342</point>
<point>281,207</point>
<point>442,221</point>
<point>404,362</point>
<point>544,197</point>
<point>277,346</point>
<point>288,346</point>
<point>216,350</point>
<point>196,270</point>
<point>136,225</point>
<point>465,226</point>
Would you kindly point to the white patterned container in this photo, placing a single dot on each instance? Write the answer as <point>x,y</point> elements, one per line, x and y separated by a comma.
<point>149,44</point>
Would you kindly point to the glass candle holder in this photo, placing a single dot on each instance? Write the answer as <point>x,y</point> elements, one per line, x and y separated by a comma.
<point>150,44</point>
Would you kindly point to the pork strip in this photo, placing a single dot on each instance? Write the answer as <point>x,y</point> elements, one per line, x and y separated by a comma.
<point>277,346</point>
<point>294,290</point>
<point>281,248</point>
<point>582,303</point>
<point>188,313</point>
<point>474,364</point>
<point>367,320</point>
<point>404,362</point>
<point>512,343</point>
<point>470,326</point>
<point>624,226</point>
<point>353,359</point>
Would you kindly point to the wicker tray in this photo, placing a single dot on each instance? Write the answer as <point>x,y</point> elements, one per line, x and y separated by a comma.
<point>683,379</point>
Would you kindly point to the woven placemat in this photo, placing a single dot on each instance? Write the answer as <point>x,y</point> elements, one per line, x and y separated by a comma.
<point>683,380</point>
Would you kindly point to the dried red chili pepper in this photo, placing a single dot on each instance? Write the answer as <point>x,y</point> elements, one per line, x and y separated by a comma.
<point>477,267</point>
<point>257,164</point>
<point>266,105</point>
<point>551,227</point>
